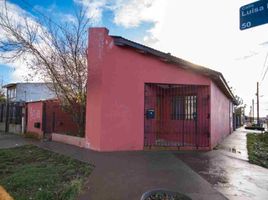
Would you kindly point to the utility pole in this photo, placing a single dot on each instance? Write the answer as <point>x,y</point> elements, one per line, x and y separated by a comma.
<point>253,110</point>
<point>258,105</point>
<point>250,114</point>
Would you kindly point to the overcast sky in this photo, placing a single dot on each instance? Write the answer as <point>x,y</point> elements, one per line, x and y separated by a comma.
<point>204,32</point>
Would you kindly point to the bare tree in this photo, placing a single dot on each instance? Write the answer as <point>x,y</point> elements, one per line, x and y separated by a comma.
<point>57,52</point>
<point>2,96</point>
<point>239,100</point>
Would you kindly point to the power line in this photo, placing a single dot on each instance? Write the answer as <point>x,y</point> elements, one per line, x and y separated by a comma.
<point>263,67</point>
<point>265,73</point>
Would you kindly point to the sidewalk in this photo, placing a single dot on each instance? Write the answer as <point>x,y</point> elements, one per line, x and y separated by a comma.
<point>126,175</point>
<point>235,145</point>
<point>228,170</point>
<point>11,140</point>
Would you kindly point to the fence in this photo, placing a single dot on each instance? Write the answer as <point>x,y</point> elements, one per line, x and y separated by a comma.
<point>10,114</point>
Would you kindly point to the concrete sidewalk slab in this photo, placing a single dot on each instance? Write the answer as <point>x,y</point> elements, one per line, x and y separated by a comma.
<point>235,145</point>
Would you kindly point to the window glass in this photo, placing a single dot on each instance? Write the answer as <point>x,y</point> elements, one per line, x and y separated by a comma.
<point>177,107</point>
<point>184,107</point>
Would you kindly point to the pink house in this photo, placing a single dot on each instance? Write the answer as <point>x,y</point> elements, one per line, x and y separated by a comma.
<point>138,98</point>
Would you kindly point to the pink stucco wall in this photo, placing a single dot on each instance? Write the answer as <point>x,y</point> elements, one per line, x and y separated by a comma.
<point>221,115</point>
<point>115,93</point>
<point>34,114</point>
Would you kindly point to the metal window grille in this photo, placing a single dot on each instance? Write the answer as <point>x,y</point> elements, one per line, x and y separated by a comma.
<point>176,115</point>
<point>15,113</point>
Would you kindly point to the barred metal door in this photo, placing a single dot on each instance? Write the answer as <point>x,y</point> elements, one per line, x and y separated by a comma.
<point>176,115</point>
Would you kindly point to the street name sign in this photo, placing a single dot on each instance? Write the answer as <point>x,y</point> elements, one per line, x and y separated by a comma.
<point>254,14</point>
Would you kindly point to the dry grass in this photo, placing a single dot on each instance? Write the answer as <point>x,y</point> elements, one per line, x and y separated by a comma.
<point>28,172</point>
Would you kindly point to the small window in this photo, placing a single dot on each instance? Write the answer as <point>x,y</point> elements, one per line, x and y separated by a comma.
<point>184,107</point>
<point>14,93</point>
<point>190,107</point>
<point>11,93</point>
<point>177,107</point>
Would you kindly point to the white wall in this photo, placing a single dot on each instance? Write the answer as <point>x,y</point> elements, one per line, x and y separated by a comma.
<point>33,92</point>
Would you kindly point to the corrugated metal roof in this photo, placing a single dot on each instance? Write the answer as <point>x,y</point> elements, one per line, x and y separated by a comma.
<point>215,76</point>
<point>9,85</point>
<point>14,84</point>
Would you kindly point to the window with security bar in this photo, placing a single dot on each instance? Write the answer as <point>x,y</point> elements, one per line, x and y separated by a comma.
<point>184,107</point>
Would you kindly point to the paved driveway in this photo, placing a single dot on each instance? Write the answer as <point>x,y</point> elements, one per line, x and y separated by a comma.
<point>126,175</point>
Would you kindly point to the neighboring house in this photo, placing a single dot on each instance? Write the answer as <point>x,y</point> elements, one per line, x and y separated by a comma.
<point>239,117</point>
<point>17,95</point>
<point>138,97</point>
<point>27,92</point>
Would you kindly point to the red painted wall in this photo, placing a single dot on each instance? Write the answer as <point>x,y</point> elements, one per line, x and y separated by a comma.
<point>115,93</point>
<point>63,122</point>
<point>34,114</point>
<point>221,116</point>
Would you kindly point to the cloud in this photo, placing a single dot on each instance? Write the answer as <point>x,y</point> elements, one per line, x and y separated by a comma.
<point>94,9</point>
<point>21,70</point>
<point>130,14</point>
<point>127,13</point>
<point>133,12</point>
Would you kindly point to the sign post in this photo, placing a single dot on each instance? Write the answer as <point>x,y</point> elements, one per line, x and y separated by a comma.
<point>254,14</point>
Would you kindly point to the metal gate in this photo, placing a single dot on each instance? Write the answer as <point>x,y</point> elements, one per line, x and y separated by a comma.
<point>176,115</point>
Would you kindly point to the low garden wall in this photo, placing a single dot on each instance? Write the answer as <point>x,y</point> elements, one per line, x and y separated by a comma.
<point>68,139</point>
